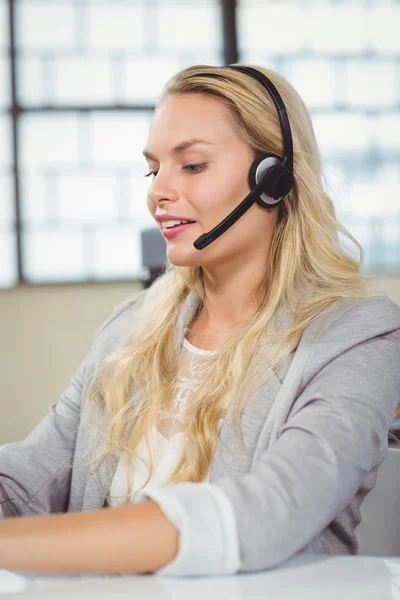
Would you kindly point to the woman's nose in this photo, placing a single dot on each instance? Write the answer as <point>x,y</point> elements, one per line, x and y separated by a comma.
<point>162,189</point>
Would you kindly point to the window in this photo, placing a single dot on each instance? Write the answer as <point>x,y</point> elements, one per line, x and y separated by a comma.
<point>87,75</point>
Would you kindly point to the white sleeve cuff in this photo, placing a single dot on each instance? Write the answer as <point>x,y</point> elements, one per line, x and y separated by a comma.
<point>208,537</point>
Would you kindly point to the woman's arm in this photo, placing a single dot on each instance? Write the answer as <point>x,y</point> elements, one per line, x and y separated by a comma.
<point>136,538</point>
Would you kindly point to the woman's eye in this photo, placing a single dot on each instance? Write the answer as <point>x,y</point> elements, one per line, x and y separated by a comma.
<point>192,169</point>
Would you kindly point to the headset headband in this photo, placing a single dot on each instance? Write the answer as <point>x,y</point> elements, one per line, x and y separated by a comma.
<point>287,158</point>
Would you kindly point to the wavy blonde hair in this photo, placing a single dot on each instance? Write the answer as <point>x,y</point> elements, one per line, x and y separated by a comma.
<point>308,270</point>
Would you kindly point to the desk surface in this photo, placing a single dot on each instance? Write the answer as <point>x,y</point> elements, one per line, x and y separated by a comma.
<point>302,578</point>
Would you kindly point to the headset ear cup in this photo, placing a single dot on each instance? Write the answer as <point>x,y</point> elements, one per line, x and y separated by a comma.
<point>279,182</point>
<point>270,165</point>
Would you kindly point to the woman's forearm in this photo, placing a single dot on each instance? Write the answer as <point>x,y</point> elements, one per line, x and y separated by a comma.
<point>136,538</point>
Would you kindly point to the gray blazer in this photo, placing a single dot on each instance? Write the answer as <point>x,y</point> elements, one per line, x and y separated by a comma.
<point>314,436</point>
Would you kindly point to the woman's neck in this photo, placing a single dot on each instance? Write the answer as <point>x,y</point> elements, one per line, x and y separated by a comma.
<point>228,306</point>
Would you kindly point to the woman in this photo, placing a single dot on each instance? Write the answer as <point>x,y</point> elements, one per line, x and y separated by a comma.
<point>236,412</point>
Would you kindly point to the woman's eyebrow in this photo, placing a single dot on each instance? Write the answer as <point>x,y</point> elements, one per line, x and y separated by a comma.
<point>179,147</point>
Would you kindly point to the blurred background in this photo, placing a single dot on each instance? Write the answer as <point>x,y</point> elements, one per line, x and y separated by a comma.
<point>78,82</point>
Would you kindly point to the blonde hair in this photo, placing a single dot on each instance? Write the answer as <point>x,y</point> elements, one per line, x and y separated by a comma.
<point>308,270</point>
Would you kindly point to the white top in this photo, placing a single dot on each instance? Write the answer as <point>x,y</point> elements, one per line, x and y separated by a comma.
<point>167,436</point>
<point>217,518</point>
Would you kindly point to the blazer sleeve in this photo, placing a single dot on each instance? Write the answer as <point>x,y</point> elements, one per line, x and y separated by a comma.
<point>294,489</point>
<point>34,474</point>
<point>324,451</point>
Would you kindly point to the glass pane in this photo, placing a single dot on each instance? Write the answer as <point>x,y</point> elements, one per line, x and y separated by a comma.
<point>65,80</point>
<point>115,25</point>
<point>381,253</point>
<point>138,186</point>
<point>5,142</point>
<point>383,28</point>
<point>43,25</point>
<point>392,232</point>
<point>370,186</point>
<point>139,86</point>
<point>184,25</point>
<point>33,79</point>
<point>4,39</point>
<point>56,255</point>
<point>87,197</point>
<point>119,137</point>
<point>34,200</point>
<point>315,80</point>
<point>8,259</point>
<point>49,140</point>
<point>118,252</point>
<point>5,97</point>
<point>372,83</point>
<point>6,201</point>
<point>260,26</point>
<point>324,20</point>
<point>82,80</point>
<point>387,131</point>
<point>337,130</point>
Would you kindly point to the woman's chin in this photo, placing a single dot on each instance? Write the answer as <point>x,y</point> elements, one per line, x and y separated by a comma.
<point>182,259</point>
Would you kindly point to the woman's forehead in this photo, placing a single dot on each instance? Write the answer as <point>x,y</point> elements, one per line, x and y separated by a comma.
<point>186,117</point>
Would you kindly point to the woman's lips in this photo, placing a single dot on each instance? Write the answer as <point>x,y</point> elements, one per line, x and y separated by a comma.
<point>171,232</point>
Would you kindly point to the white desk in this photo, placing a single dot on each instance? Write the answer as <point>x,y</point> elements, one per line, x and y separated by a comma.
<point>302,578</point>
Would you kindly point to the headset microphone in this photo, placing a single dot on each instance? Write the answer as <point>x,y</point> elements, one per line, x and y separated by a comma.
<point>270,176</point>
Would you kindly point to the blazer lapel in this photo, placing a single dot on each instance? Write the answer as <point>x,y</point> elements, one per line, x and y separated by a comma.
<point>98,483</point>
<point>230,456</point>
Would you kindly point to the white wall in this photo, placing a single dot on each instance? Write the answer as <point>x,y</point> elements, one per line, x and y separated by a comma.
<point>45,332</point>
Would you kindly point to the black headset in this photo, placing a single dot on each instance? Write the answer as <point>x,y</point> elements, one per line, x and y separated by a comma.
<point>270,176</point>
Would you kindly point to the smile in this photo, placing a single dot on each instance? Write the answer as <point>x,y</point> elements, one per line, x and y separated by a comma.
<point>170,232</point>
